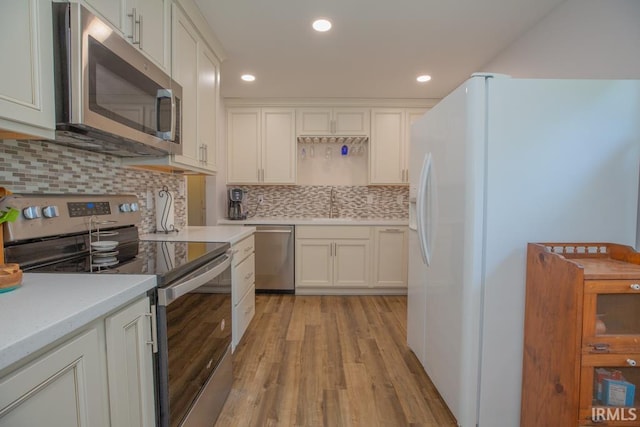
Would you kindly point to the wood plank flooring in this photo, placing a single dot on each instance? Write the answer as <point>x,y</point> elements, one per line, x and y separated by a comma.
<point>330,361</point>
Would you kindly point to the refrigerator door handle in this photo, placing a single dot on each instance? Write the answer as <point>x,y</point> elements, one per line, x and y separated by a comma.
<point>424,191</point>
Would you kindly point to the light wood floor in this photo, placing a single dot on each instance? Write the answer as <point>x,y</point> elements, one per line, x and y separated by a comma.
<point>330,361</point>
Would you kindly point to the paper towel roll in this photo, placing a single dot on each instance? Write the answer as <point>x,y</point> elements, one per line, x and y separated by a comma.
<point>164,210</point>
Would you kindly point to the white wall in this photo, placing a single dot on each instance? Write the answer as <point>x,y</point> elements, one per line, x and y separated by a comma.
<point>579,39</point>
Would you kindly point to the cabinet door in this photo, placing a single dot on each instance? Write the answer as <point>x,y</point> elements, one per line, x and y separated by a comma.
<point>278,146</point>
<point>111,10</point>
<point>387,136</point>
<point>185,72</point>
<point>609,390</point>
<point>65,387</point>
<point>314,262</point>
<point>314,121</point>
<point>411,115</point>
<point>390,257</point>
<point>611,317</point>
<point>243,145</point>
<point>26,87</point>
<point>130,366</point>
<point>351,121</point>
<point>332,121</point>
<point>207,99</point>
<point>152,28</point>
<point>351,263</point>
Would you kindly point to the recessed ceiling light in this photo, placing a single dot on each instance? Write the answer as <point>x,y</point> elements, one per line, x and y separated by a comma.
<point>423,78</point>
<point>321,25</point>
<point>248,77</point>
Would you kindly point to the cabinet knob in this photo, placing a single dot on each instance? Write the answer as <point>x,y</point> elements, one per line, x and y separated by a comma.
<point>635,286</point>
<point>631,362</point>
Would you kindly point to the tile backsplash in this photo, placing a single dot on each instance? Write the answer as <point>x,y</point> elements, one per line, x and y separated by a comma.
<point>42,167</point>
<point>313,201</point>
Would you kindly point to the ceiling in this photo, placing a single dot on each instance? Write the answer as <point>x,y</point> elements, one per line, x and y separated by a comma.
<point>376,48</point>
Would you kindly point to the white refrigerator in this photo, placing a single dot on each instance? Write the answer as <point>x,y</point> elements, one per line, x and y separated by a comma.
<point>496,164</point>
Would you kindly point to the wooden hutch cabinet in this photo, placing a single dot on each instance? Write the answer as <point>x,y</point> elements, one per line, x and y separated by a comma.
<point>582,336</point>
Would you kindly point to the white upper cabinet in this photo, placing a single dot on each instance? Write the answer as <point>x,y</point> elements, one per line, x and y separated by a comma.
<point>26,87</point>
<point>110,10</point>
<point>332,121</point>
<point>147,26</point>
<point>261,146</point>
<point>196,68</point>
<point>243,145</point>
<point>144,23</point>
<point>389,144</point>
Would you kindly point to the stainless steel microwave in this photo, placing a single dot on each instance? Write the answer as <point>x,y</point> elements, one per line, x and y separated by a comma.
<point>110,98</point>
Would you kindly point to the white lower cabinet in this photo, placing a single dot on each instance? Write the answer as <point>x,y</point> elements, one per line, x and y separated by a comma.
<point>390,257</point>
<point>351,260</point>
<point>332,257</point>
<point>65,387</point>
<point>242,288</point>
<point>130,366</point>
<point>78,384</point>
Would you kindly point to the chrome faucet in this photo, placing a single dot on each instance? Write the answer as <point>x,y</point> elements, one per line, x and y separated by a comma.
<point>333,204</point>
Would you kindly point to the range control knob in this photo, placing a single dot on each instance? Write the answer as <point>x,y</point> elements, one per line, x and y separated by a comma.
<point>50,211</point>
<point>125,207</point>
<point>31,212</point>
<point>135,207</point>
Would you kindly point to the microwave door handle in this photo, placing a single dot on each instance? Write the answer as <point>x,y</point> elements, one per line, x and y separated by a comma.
<point>160,95</point>
<point>171,293</point>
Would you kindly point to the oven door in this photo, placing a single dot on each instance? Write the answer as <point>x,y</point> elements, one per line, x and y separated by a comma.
<point>194,341</point>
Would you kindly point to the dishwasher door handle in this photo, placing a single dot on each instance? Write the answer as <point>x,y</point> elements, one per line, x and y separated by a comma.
<point>274,231</point>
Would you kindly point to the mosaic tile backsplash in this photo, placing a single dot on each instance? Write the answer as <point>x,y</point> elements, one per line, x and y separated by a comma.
<point>313,201</point>
<point>42,167</point>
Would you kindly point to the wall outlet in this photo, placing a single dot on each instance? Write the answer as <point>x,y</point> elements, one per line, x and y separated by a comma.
<point>369,199</point>
<point>260,199</point>
<point>149,202</point>
<point>400,199</point>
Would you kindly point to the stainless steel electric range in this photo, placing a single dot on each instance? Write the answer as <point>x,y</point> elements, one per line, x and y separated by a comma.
<point>97,234</point>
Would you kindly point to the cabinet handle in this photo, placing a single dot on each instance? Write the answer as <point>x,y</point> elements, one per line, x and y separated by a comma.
<point>631,362</point>
<point>248,275</point>
<point>635,286</point>
<point>599,347</point>
<point>132,15</point>
<point>140,32</point>
<point>393,230</point>
<point>154,328</point>
<point>248,249</point>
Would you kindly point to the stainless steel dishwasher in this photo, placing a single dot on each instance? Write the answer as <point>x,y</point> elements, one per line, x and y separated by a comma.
<point>274,253</point>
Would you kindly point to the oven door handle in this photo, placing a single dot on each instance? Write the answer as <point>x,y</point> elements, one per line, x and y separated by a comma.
<point>171,293</point>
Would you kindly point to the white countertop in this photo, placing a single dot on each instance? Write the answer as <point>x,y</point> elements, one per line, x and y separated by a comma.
<point>318,221</point>
<point>219,233</point>
<point>49,306</point>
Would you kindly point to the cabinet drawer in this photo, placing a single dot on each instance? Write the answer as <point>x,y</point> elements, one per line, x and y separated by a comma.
<point>245,312</point>
<point>243,277</point>
<point>333,232</point>
<point>612,286</point>
<point>242,249</point>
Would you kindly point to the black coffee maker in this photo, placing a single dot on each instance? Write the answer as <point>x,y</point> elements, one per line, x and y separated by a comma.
<point>236,208</point>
